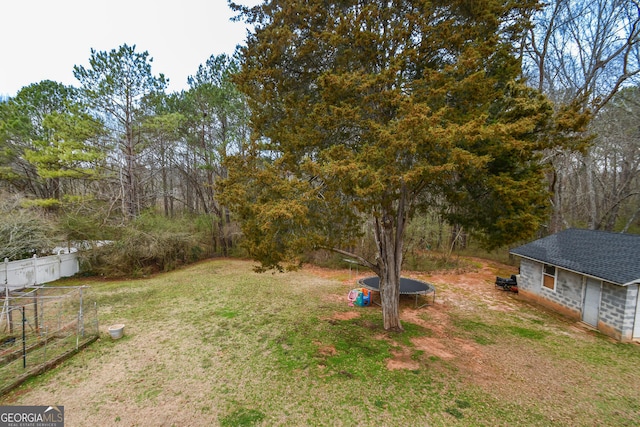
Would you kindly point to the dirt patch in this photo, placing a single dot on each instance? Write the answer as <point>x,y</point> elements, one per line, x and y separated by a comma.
<point>521,373</point>
<point>468,291</point>
<point>326,350</point>
<point>347,315</point>
<point>434,347</point>
<point>454,291</point>
<point>334,297</point>
<point>402,360</point>
<point>438,318</point>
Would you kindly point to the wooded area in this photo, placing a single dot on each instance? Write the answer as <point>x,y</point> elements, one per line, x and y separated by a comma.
<point>119,158</point>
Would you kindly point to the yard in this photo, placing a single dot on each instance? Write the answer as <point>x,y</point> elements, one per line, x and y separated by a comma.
<point>217,344</point>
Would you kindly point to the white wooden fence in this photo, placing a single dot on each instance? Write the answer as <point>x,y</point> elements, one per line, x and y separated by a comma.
<point>20,274</point>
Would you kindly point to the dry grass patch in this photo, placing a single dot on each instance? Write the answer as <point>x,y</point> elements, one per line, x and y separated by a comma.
<point>217,344</point>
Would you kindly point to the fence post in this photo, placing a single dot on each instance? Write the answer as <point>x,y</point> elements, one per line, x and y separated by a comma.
<point>35,310</point>
<point>7,304</point>
<point>95,312</point>
<point>10,318</point>
<point>35,270</point>
<point>24,340</point>
<point>41,312</point>
<point>46,337</point>
<point>81,317</point>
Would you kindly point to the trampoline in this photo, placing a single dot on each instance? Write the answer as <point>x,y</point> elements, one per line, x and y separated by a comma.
<point>407,287</point>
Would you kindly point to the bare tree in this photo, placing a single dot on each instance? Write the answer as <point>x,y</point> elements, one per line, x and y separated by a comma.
<point>216,118</point>
<point>581,53</point>
<point>616,154</point>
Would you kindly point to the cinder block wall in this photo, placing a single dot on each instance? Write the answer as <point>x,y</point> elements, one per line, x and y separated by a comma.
<point>530,279</point>
<point>567,298</point>
<point>617,310</point>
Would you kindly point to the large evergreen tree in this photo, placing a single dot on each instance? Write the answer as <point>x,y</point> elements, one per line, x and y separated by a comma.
<point>368,111</point>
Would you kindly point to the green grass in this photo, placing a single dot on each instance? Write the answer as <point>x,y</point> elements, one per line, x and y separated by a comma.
<point>242,417</point>
<point>478,331</point>
<point>221,345</point>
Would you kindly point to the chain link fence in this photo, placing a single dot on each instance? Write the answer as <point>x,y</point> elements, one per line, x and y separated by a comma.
<point>41,327</point>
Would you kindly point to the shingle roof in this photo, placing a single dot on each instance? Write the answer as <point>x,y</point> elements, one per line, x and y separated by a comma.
<point>612,257</point>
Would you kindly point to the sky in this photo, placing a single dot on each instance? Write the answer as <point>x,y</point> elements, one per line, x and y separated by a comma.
<point>44,39</point>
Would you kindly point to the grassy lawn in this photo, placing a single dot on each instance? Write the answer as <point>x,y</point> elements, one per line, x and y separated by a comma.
<point>217,344</point>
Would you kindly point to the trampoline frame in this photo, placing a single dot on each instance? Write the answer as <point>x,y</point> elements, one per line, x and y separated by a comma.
<point>376,288</point>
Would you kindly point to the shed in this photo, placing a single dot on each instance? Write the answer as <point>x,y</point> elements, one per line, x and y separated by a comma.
<point>592,276</point>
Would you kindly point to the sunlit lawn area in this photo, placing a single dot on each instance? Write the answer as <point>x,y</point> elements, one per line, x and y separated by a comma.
<point>217,344</point>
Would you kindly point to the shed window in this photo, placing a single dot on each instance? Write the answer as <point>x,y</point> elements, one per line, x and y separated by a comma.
<point>549,277</point>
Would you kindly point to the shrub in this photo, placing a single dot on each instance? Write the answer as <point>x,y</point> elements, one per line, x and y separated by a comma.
<point>150,244</point>
<point>23,232</point>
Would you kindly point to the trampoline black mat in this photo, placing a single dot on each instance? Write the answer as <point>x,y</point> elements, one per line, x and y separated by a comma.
<point>407,286</point>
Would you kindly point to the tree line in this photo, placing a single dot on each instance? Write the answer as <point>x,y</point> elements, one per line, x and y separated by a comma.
<point>116,155</point>
<point>98,157</point>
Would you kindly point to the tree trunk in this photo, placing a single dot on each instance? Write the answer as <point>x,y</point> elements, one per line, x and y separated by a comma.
<point>165,180</point>
<point>390,292</point>
<point>221,236</point>
<point>556,222</point>
<point>591,193</point>
<point>389,234</point>
<point>631,220</point>
<point>130,184</point>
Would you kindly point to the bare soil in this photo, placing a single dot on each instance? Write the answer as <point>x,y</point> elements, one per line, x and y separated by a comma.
<point>499,369</point>
<point>453,290</point>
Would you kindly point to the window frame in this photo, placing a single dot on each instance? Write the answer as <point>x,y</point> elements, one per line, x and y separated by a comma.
<point>548,278</point>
